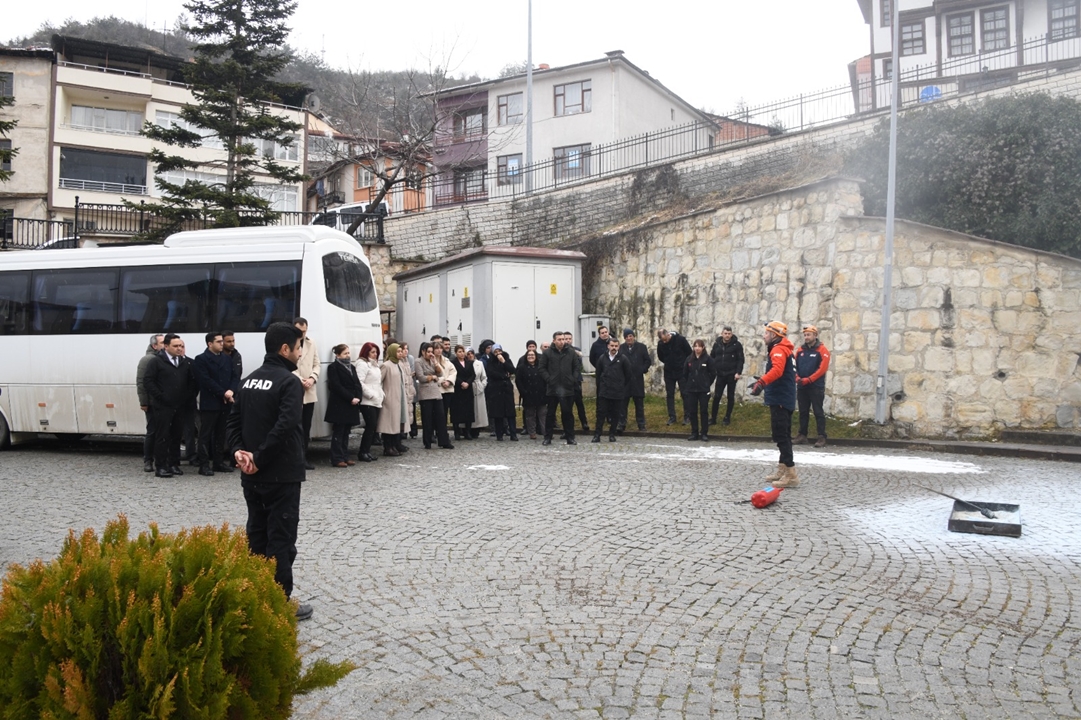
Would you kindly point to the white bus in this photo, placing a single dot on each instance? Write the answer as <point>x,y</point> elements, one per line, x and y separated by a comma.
<point>74,323</point>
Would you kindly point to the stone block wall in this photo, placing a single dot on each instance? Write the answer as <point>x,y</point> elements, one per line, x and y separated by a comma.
<point>983,335</point>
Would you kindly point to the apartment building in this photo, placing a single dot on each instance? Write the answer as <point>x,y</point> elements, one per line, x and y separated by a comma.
<point>26,78</point>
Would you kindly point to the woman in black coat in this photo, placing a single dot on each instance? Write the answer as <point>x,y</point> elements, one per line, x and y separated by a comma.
<point>499,394</point>
<point>343,405</point>
<point>698,376</point>
<point>533,391</point>
<point>461,402</point>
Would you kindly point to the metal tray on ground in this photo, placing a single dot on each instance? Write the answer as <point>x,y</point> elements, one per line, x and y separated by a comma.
<point>967,519</point>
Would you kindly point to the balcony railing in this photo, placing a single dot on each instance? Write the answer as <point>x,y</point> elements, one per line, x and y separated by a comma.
<point>105,187</point>
<point>108,131</point>
<point>25,233</point>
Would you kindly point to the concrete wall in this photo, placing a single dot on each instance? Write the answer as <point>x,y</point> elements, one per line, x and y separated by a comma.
<point>983,335</point>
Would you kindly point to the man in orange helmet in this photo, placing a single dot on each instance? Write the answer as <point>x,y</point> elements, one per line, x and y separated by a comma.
<point>779,384</point>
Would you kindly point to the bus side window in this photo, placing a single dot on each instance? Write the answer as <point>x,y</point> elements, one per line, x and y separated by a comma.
<point>168,298</point>
<point>348,282</point>
<point>14,302</point>
<point>252,296</point>
<point>74,301</point>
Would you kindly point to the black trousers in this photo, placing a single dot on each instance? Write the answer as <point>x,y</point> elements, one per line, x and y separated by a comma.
<point>189,433</point>
<point>148,441</point>
<point>697,406</point>
<point>580,405</point>
<point>670,386</point>
<point>811,396</point>
<point>434,421</point>
<point>565,403</point>
<point>273,519</point>
<point>306,422</point>
<point>339,442</point>
<point>639,412</point>
<point>371,419</point>
<point>608,409</point>
<point>168,427</point>
<point>212,436</point>
<point>780,425</point>
<point>724,382</point>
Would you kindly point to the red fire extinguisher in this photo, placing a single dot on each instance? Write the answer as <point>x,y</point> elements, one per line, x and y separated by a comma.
<point>765,497</point>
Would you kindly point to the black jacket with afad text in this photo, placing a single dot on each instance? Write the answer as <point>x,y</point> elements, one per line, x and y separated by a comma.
<point>266,421</point>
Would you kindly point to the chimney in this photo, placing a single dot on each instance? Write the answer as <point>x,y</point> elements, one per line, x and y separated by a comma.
<point>544,66</point>
<point>613,54</point>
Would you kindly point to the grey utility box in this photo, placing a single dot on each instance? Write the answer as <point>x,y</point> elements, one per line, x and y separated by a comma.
<point>507,294</point>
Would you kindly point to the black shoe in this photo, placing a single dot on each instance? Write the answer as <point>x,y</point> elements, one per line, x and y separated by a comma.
<point>205,470</point>
<point>175,470</point>
<point>499,438</point>
<point>367,457</point>
<point>427,446</point>
<point>572,441</point>
<point>585,428</point>
<point>148,466</point>
<point>712,421</point>
<point>223,468</point>
<point>596,438</point>
<point>163,473</point>
<point>671,421</point>
<point>641,428</point>
<point>611,438</point>
<point>547,441</point>
<point>308,465</point>
<point>304,612</point>
<point>705,438</point>
<point>726,421</point>
<point>694,436</point>
<point>514,438</point>
<point>448,446</point>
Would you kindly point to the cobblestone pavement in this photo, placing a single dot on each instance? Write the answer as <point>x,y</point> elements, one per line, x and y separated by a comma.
<point>507,580</point>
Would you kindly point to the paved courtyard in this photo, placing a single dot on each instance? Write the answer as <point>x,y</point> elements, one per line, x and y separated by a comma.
<point>507,580</point>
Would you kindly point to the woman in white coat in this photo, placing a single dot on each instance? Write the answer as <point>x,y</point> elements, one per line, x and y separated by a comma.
<point>480,407</point>
<point>371,385</point>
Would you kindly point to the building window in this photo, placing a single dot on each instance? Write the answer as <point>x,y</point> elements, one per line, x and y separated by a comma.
<point>102,172</point>
<point>962,34</point>
<point>5,159</point>
<point>469,183</point>
<point>104,120</point>
<point>276,150</point>
<point>470,124</point>
<point>7,84</point>
<point>510,109</point>
<point>887,70</point>
<point>887,13</point>
<point>571,162</point>
<point>169,120</point>
<point>282,198</point>
<point>179,177</point>
<point>995,28</point>
<point>912,39</point>
<point>573,98</point>
<point>509,169</point>
<point>1064,19</point>
<point>364,177</point>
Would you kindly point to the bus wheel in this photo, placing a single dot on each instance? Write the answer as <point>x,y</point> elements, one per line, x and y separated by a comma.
<point>5,434</point>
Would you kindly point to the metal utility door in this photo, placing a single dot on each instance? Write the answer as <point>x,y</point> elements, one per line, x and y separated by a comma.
<point>430,306</point>
<point>460,306</point>
<point>553,306</point>
<point>410,314</point>
<point>513,298</point>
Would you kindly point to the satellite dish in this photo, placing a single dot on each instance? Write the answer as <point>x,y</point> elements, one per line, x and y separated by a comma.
<point>930,94</point>
<point>313,103</point>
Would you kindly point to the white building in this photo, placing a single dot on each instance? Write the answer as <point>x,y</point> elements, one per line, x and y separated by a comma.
<point>481,141</point>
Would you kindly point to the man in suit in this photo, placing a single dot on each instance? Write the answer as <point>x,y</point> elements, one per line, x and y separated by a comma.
<point>214,376</point>
<point>170,384</point>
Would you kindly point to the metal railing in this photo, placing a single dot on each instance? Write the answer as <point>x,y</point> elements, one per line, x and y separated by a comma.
<point>104,187</point>
<point>25,233</point>
<point>920,84</point>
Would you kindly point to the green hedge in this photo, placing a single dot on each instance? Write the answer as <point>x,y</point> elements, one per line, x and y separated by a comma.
<point>189,625</point>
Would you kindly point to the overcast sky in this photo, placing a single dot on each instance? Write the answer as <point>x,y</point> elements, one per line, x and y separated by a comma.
<point>713,53</point>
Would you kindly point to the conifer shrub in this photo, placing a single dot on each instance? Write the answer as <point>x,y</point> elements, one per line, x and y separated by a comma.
<point>189,625</point>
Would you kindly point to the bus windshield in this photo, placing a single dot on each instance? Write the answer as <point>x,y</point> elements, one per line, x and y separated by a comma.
<point>348,281</point>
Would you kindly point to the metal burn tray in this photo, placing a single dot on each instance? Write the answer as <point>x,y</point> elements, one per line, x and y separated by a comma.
<point>967,519</point>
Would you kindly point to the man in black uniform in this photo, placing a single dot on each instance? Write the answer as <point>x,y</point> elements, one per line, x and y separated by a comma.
<point>266,439</point>
<point>672,351</point>
<point>171,386</point>
<point>613,375</point>
<point>727,354</point>
<point>636,389</point>
<point>559,366</point>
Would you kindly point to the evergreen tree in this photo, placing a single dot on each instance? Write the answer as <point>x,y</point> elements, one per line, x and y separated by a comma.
<point>6,126</point>
<point>237,54</point>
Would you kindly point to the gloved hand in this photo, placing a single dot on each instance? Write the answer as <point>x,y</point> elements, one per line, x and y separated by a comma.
<point>757,388</point>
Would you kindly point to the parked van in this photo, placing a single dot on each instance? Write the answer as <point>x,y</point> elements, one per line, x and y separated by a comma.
<point>343,216</point>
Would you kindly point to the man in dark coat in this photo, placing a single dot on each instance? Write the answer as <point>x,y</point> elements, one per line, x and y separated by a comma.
<point>613,375</point>
<point>214,376</point>
<point>779,384</point>
<point>599,346</point>
<point>637,353</point>
<point>698,377</point>
<point>727,354</point>
<point>266,438</point>
<point>672,350</point>
<point>579,403</point>
<point>559,366</point>
<point>156,345</point>
<point>171,386</point>
<point>228,348</point>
